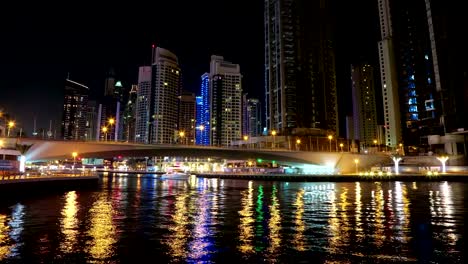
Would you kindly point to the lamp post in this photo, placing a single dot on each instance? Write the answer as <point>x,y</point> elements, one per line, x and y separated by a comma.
<point>74,155</point>
<point>330,137</point>
<point>298,144</point>
<point>375,145</point>
<point>341,146</point>
<point>182,135</point>
<point>111,123</point>
<point>273,133</point>
<point>443,160</point>
<point>356,161</point>
<point>104,129</point>
<point>201,128</point>
<point>245,139</point>
<point>11,124</point>
<point>401,149</point>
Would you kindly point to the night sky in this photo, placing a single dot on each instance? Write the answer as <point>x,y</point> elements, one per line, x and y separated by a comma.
<point>40,45</point>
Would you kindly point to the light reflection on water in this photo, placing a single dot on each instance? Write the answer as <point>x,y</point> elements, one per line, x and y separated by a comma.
<point>206,220</point>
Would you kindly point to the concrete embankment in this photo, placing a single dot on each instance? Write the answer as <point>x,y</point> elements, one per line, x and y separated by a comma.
<point>338,178</point>
<point>22,184</point>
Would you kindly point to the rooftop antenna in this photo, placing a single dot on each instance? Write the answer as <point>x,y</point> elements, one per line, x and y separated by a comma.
<point>153,48</point>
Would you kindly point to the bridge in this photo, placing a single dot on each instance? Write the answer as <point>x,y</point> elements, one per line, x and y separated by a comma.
<point>44,150</point>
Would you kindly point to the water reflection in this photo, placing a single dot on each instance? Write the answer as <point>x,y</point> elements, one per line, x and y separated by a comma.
<point>69,223</point>
<point>259,224</point>
<point>441,207</point>
<point>199,248</point>
<point>274,224</point>
<point>102,230</point>
<point>358,213</point>
<point>5,246</point>
<point>402,204</point>
<point>378,217</point>
<point>298,239</point>
<point>210,220</point>
<point>179,229</point>
<point>16,228</point>
<point>246,221</point>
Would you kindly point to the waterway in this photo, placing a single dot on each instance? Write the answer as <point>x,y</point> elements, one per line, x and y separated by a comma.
<point>131,218</point>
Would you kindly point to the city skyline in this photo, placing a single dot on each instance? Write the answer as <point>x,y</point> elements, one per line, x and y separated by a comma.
<point>87,49</point>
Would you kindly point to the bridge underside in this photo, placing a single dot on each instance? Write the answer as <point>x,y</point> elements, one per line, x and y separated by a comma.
<point>53,150</point>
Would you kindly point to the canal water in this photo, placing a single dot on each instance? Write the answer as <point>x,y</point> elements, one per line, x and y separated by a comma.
<point>131,218</point>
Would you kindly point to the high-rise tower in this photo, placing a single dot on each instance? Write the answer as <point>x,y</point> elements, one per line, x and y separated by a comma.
<point>300,78</point>
<point>364,107</point>
<point>143,105</point>
<point>203,101</point>
<point>74,111</point>
<point>226,101</point>
<point>412,107</point>
<point>388,77</point>
<point>166,83</point>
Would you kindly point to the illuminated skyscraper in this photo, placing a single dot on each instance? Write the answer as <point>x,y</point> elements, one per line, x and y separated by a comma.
<point>143,104</point>
<point>129,113</point>
<point>74,115</point>
<point>187,117</point>
<point>364,107</point>
<point>166,83</point>
<point>203,127</point>
<point>300,79</point>
<point>251,117</point>
<point>226,101</point>
<point>388,77</point>
<point>407,73</point>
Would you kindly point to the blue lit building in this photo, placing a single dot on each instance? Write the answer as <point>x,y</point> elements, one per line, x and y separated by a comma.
<point>202,134</point>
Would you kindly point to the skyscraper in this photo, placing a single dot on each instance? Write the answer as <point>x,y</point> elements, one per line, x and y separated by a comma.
<point>129,115</point>
<point>187,118</point>
<point>74,111</point>
<point>91,118</point>
<point>203,126</point>
<point>226,101</point>
<point>251,117</point>
<point>166,83</point>
<point>364,107</point>
<point>110,111</point>
<point>300,79</point>
<point>449,55</point>
<point>109,85</point>
<point>388,75</point>
<point>143,104</point>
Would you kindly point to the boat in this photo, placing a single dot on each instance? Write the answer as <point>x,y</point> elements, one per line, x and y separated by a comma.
<point>175,176</point>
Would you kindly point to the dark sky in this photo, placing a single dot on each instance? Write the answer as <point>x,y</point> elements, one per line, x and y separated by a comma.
<point>40,44</point>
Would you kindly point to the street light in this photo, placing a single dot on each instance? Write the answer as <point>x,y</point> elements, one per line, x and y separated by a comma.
<point>181,135</point>
<point>1,143</point>
<point>104,129</point>
<point>111,123</point>
<point>298,143</point>
<point>273,133</point>
<point>375,144</point>
<point>330,137</point>
<point>341,146</point>
<point>245,139</point>
<point>74,155</point>
<point>11,124</point>
<point>356,161</point>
